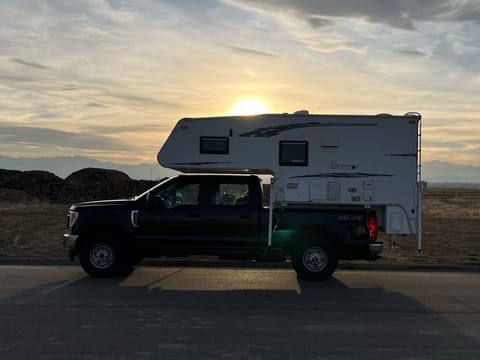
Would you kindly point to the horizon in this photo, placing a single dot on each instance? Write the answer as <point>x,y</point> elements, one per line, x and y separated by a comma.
<point>434,172</point>
<point>108,80</point>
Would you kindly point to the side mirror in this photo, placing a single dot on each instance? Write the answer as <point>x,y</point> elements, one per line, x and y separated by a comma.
<point>161,203</point>
<point>148,200</point>
<point>153,201</point>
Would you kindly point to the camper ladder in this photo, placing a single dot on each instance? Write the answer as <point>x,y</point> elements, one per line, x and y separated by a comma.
<point>419,178</point>
<point>419,185</point>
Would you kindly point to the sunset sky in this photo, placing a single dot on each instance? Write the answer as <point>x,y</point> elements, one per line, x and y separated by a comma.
<point>109,79</point>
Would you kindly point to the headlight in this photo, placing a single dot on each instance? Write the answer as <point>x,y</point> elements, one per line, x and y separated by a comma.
<point>72,218</point>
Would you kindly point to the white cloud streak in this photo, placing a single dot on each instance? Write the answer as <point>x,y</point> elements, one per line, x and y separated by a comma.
<point>396,14</point>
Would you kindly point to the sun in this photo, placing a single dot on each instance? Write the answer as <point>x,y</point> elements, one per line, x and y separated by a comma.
<point>249,107</point>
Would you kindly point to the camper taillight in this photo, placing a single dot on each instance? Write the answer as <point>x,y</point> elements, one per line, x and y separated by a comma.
<point>372,227</point>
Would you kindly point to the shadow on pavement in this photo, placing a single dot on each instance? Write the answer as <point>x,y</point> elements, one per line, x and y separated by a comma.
<point>183,313</point>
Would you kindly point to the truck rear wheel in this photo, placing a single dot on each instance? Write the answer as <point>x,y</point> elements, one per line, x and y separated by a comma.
<point>315,260</point>
<point>102,256</point>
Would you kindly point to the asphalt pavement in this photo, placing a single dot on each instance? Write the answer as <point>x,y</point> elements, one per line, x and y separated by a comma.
<point>193,310</point>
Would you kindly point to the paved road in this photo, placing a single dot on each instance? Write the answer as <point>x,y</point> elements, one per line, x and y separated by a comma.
<point>57,312</point>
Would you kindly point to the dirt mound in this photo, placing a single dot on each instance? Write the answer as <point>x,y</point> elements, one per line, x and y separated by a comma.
<point>98,184</point>
<point>90,176</point>
<point>40,184</point>
<point>83,185</point>
<point>8,177</point>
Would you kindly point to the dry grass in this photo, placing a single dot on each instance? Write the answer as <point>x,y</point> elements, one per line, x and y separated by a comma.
<point>451,230</point>
<point>32,229</point>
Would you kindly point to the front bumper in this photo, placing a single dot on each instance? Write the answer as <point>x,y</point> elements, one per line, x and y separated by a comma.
<point>70,243</point>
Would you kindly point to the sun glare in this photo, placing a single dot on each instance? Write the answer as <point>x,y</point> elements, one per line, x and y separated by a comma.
<point>249,107</point>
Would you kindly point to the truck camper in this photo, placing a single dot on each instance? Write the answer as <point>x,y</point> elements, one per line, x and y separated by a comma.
<point>336,180</point>
<point>368,161</point>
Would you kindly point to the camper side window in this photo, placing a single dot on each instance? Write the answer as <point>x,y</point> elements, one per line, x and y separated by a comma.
<point>293,153</point>
<point>213,145</point>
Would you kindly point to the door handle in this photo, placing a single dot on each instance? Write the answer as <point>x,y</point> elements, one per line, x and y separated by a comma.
<point>134,218</point>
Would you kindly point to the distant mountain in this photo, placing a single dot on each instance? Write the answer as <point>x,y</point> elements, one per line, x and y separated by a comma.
<point>64,166</point>
<point>433,171</point>
<point>445,172</point>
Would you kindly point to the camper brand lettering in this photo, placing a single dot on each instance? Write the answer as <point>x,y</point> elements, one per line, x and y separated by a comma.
<point>335,165</point>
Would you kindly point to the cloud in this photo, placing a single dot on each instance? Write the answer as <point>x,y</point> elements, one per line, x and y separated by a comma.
<point>69,87</point>
<point>30,64</point>
<point>462,46</point>
<point>464,11</point>
<point>395,14</point>
<point>127,129</point>
<point>18,78</point>
<point>30,135</point>
<point>318,22</point>
<point>245,51</point>
<point>411,52</point>
<point>96,104</point>
<point>330,42</point>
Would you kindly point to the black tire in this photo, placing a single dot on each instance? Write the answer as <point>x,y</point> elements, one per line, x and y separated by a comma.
<point>103,255</point>
<point>315,260</point>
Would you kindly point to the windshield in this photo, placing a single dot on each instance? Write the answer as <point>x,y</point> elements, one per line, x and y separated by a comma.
<point>154,187</point>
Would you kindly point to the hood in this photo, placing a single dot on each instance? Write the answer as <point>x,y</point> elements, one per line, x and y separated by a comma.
<point>100,203</point>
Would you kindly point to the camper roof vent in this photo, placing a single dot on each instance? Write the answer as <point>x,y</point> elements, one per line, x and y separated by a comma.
<point>301,112</point>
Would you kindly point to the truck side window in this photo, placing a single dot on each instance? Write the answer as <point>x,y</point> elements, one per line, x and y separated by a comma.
<point>232,194</point>
<point>293,153</point>
<point>183,194</point>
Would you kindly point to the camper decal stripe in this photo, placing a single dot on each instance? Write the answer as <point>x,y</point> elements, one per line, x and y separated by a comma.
<point>343,175</point>
<point>202,163</point>
<point>404,155</point>
<point>276,130</point>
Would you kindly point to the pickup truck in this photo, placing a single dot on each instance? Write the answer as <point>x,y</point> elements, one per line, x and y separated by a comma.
<point>220,215</point>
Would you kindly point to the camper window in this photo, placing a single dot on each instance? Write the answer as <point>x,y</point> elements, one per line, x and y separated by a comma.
<point>213,145</point>
<point>293,153</point>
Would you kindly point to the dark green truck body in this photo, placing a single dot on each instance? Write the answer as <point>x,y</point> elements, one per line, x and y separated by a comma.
<point>219,215</point>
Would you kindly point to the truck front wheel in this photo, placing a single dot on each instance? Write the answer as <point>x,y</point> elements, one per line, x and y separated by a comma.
<point>315,260</point>
<point>102,256</point>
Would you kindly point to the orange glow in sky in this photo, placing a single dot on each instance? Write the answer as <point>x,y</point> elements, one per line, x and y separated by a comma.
<point>249,107</point>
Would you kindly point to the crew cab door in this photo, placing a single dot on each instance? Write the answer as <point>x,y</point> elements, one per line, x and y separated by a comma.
<point>195,214</point>
<point>171,217</point>
<point>230,217</point>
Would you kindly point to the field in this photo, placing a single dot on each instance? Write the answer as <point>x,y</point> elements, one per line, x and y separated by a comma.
<point>451,230</point>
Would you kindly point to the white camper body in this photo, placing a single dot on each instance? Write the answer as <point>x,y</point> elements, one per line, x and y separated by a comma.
<point>317,160</point>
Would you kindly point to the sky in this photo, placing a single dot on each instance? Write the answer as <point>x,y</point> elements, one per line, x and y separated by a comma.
<point>108,79</point>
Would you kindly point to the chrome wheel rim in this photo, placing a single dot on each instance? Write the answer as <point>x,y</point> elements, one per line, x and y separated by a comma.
<point>102,256</point>
<point>315,259</point>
